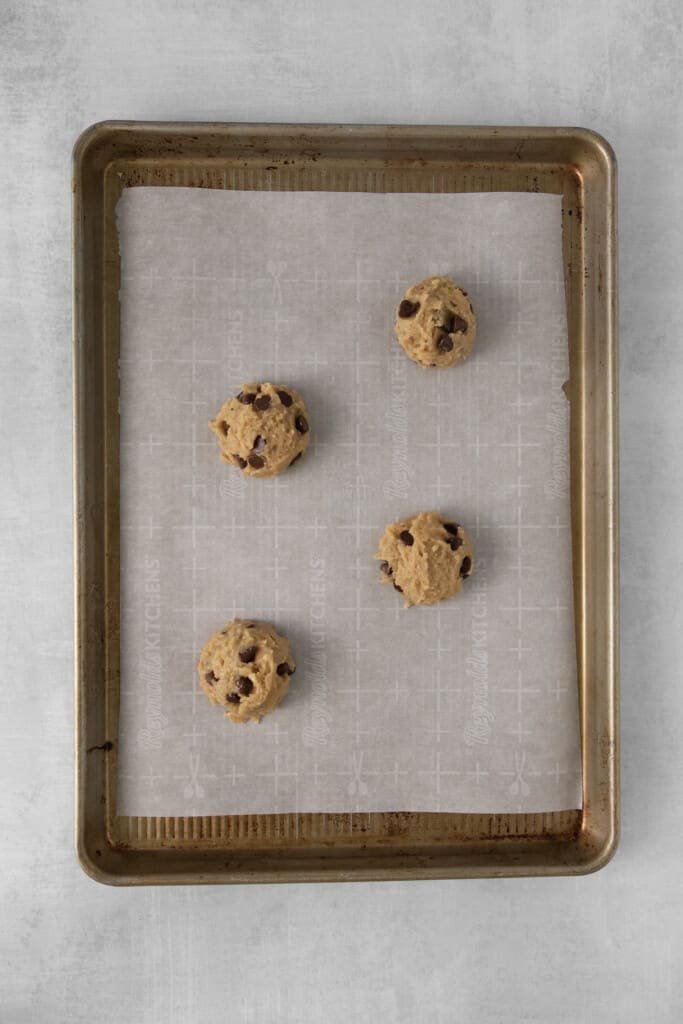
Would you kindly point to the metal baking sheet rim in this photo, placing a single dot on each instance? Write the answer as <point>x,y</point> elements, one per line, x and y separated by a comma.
<point>574,162</point>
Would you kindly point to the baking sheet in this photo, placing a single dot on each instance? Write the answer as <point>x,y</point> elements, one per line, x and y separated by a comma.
<point>468,706</point>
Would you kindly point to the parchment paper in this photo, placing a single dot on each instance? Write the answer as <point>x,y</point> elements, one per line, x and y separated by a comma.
<point>467,706</point>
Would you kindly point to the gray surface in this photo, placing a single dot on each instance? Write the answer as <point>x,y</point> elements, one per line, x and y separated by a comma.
<point>606,946</point>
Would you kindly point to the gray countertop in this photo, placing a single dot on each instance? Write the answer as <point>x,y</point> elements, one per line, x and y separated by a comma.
<point>601,948</point>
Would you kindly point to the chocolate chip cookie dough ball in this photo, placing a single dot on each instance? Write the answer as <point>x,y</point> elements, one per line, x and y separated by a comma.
<point>435,323</point>
<point>425,558</point>
<point>246,668</point>
<point>263,430</point>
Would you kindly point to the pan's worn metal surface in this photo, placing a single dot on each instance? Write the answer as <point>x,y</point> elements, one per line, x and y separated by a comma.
<point>575,163</point>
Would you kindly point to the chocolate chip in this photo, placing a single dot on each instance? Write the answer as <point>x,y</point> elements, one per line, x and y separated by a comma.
<point>246,397</point>
<point>232,698</point>
<point>386,568</point>
<point>262,402</point>
<point>259,443</point>
<point>211,678</point>
<point>407,537</point>
<point>396,587</point>
<point>225,427</point>
<point>454,543</point>
<point>466,566</point>
<point>240,461</point>
<point>247,654</point>
<point>296,458</point>
<point>244,685</point>
<point>283,669</point>
<point>459,325</point>
<point>285,398</point>
<point>301,424</point>
<point>444,343</point>
<point>452,528</point>
<point>408,308</point>
<point>256,462</point>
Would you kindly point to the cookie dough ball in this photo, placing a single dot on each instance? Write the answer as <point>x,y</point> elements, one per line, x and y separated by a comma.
<point>263,430</point>
<point>435,323</point>
<point>425,558</point>
<point>246,668</point>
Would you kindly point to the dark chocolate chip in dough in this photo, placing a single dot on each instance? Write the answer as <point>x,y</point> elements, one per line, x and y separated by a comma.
<point>454,543</point>
<point>256,462</point>
<point>211,678</point>
<point>285,398</point>
<point>459,325</point>
<point>407,537</point>
<point>452,528</point>
<point>232,698</point>
<point>244,685</point>
<point>466,566</point>
<point>444,343</point>
<point>246,397</point>
<point>262,403</point>
<point>396,587</point>
<point>301,424</point>
<point>283,669</point>
<point>296,458</point>
<point>386,568</point>
<point>408,309</point>
<point>247,654</point>
<point>259,443</point>
<point>240,461</point>
<point>225,427</point>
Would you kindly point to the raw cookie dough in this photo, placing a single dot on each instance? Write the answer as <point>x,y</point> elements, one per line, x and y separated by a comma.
<point>435,323</point>
<point>246,668</point>
<point>263,430</point>
<point>425,558</point>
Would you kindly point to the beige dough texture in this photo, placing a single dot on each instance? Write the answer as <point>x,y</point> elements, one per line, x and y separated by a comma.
<point>435,323</point>
<point>263,430</point>
<point>425,557</point>
<point>246,668</point>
